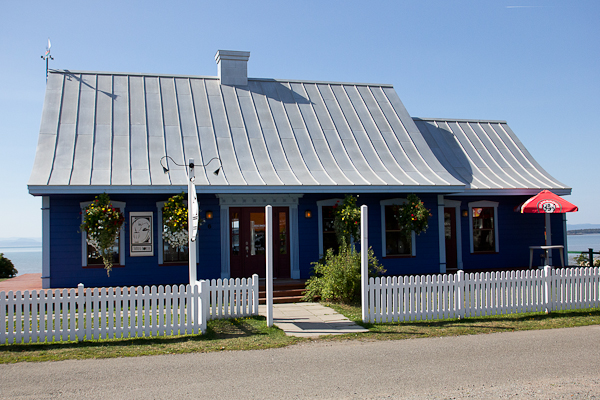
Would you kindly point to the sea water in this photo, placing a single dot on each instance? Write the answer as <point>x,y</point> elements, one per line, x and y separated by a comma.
<point>583,243</point>
<point>28,260</point>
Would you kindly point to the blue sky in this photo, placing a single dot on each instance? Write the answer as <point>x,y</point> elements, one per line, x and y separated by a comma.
<point>532,63</point>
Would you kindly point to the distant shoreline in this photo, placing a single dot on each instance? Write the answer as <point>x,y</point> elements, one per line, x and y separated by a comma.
<point>583,232</point>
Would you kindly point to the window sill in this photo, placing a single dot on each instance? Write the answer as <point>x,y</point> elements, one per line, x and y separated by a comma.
<point>98,266</point>
<point>400,256</point>
<point>174,264</point>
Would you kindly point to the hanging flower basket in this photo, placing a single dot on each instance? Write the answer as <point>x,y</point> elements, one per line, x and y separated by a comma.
<point>175,221</point>
<point>102,223</point>
<point>412,216</point>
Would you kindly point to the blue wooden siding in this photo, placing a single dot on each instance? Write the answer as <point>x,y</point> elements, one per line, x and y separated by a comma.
<point>515,234</point>
<point>65,243</point>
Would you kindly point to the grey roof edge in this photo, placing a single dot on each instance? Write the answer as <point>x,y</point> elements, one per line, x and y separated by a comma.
<point>460,120</point>
<point>510,192</point>
<point>216,78</point>
<point>43,190</point>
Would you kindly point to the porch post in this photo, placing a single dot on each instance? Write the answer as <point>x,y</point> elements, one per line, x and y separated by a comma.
<point>364,260</point>
<point>269,257</point>
<point>548,232</point>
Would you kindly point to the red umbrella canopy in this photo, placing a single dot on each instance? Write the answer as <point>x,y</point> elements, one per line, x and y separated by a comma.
<point>546,202</point>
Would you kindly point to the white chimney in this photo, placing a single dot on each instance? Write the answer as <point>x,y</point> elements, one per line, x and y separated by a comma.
<point>233,67</point>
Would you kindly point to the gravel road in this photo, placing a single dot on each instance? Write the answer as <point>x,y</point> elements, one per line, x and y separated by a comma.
<point>548,364</point>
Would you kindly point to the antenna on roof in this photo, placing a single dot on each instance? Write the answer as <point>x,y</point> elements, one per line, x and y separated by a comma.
<point>47,56</point>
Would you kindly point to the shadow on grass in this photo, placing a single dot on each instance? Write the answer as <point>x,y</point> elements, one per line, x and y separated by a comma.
<point>216,330</point>
<point>493,322</point>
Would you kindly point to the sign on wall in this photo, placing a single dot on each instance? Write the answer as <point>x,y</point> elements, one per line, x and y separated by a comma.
<point>141,234</point>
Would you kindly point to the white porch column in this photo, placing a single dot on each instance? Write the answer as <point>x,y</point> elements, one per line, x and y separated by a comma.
<point>269,251</point>
<point>364,259</point>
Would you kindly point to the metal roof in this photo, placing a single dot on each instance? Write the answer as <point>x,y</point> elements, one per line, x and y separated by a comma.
<point>486,156</point>
<point>108,132</point>
<point>104,131</point>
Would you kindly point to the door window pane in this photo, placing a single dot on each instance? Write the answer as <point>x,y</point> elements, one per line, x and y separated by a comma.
<point>257,233</point>
<point>282,233</point>
<point>448,225</point>
<point>235,233</point>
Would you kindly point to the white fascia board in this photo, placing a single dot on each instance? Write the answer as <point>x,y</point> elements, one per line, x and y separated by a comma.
<point>510,192</point>
<point>47,190</point>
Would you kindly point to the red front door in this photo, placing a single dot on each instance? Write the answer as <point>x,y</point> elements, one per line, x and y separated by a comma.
<point>247,237</point>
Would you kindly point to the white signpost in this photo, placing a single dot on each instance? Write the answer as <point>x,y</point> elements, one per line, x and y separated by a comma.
<point>192,222</point>
<point>269,257</point>
<point>364,259</point>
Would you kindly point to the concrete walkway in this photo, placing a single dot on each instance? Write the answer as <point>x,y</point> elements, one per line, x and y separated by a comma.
<point>310,320</point>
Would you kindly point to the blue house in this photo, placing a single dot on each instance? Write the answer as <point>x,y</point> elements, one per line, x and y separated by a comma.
<point>299,146</point>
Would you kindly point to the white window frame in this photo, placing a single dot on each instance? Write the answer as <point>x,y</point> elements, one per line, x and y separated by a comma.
<point>159,221</point>
<point>484,203</point>
<point>116,204</point>
<point>413,236</point>
<point>320,205</point>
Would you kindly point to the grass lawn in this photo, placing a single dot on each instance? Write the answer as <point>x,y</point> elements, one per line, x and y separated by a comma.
<point>470,326</point>
<point>253,334</point>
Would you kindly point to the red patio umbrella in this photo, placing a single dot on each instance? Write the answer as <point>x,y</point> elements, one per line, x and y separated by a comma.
<point>546,202</point>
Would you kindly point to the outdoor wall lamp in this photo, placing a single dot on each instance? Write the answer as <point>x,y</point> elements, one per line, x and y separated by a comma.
<point>307,214</point>
<point>465,213</point>
<point>209,215</point>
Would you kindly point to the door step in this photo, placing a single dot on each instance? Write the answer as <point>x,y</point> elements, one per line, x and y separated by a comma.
<point>284,291</point>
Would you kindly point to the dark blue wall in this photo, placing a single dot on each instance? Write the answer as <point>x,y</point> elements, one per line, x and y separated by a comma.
<point>427,246</point>
<point>65,244</point>
<point>516,233</point>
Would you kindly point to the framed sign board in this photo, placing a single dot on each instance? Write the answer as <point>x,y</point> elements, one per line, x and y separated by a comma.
<point>141,234</point>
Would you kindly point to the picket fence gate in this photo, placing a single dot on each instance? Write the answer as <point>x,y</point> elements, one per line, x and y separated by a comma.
<point>122,312</point>
<point>460,295</point>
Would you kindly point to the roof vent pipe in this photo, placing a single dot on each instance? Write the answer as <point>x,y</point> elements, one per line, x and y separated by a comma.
<point>233,67</point>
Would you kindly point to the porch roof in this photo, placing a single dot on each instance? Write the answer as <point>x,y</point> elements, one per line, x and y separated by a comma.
<point>109,131</point>
<point>486,156</point>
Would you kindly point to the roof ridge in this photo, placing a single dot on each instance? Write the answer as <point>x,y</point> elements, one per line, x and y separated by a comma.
<point>147,74</point>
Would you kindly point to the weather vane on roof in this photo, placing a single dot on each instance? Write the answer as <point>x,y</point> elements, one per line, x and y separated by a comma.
<point>47,56</point>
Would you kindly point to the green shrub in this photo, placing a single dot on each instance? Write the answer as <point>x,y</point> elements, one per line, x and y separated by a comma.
<point>583,260</point>
<point>7,269</point>
<point>336,277</point>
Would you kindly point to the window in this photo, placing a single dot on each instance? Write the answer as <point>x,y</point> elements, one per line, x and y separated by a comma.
<point>166,253</point>
<point>394,242</point>
<point>327,239</point>
<point>89,257</point>
<point>483,223</point>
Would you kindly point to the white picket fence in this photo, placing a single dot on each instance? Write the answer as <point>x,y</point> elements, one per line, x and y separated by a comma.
<point>122,312</point>
<point>460,295</point>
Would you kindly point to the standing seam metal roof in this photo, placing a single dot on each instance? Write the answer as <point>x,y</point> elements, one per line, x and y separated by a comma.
<point>486,155</point>
<point>109,131</point>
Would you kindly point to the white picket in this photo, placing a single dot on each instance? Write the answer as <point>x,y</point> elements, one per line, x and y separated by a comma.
<point>411,298</point>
